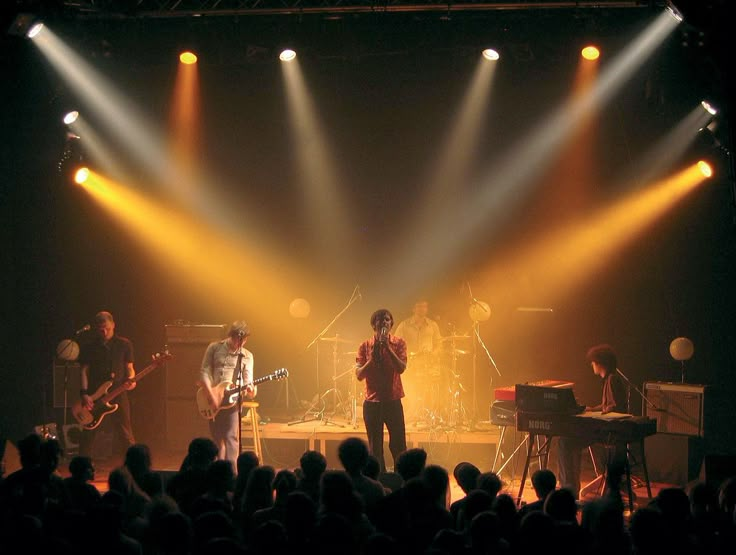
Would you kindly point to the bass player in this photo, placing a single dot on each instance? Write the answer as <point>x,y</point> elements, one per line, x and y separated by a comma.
<point>108,357</point>
<point>228,361</point>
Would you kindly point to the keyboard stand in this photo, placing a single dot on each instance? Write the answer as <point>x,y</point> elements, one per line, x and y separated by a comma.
<point>542,452</point>
<point>599,482</point>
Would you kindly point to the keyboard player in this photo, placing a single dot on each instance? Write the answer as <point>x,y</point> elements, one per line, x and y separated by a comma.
<point>602,359</point>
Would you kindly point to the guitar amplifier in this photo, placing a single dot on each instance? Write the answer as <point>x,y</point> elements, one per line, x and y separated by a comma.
<point>187,343</point>
<point>503,413</point>
<point>678,408</point>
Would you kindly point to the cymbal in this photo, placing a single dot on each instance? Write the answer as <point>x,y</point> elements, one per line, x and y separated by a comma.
<point>454,337</point>
<point>457,351</point>
<point>335,339</point>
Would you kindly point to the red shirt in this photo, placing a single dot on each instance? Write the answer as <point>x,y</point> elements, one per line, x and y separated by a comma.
<point>383,375</point>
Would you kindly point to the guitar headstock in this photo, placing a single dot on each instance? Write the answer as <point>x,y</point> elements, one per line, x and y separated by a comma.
<point>280,374</point>
<point>160,358</point>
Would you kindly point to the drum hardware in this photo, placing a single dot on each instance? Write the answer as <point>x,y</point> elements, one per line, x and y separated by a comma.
<point>335,340</point>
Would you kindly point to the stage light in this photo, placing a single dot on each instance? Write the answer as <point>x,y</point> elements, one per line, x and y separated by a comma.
<point>709,108</point>
<point>705,168</point>
<point>491,54</point>
<point>81,175</point>
<point>287,55</point>
<point>34,30</point>
<point>590,53</point>
<point>71,117</point>
<point>188,58</point>
<point>674,12</point>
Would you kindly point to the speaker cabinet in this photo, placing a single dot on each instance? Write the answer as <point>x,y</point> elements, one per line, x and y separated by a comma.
<point>678,408</point>
<point>674,458</point>
<point>187,344</point>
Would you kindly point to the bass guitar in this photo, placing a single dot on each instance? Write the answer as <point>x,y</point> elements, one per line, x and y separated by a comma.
<point>226,394</point>
<point>90,419</point>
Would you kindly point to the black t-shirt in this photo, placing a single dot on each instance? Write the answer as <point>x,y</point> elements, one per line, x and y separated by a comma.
<point>107,361</point>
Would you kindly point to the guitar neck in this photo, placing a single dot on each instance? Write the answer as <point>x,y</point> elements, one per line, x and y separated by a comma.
<point>139,375</point>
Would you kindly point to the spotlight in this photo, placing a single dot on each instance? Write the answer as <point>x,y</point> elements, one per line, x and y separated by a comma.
<point>287,55</point>
<point>81,175</point>
<point>491,54</point>
<point>188,58</point>
<point>590,53</point>
<point>71,117</point>
<point>705,168</point>
<point>674,12</point>
<point>35,29</point>
<point>709,108</point>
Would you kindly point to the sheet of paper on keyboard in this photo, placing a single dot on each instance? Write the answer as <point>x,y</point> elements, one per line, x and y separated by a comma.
<point>607,416</point>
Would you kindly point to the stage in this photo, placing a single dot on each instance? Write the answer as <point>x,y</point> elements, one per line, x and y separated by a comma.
<point>284,442</point>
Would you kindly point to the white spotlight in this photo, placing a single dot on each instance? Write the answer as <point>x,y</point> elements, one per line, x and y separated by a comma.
<point>34,30</point>
<point>674,12</point>
<point>491,54</point>
<point>287,55</point>
<point>71,117</point>
<point>709,108</point>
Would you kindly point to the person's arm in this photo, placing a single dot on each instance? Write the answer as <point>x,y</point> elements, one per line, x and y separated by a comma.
<point>436,337</point>
<point>250,390</point>
<point>206,373</point>
<point>362,361</point>
<point>129,375</point>
<point>398,352</point>
<point>84,385</point>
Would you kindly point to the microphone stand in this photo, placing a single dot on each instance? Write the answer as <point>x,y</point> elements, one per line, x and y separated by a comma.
<point>239,404</point>
<point>632,386</point>
<point>628,449</point>
<point>353,297</point>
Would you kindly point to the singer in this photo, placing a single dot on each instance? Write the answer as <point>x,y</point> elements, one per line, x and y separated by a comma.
<point>228,360</point>
<point>381,361</point>
<point>602,359</point>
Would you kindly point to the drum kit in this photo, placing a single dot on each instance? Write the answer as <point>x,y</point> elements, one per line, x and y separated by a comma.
<point>433,387</point>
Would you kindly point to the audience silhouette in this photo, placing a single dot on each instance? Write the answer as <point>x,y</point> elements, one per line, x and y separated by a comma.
<point>204,510</point>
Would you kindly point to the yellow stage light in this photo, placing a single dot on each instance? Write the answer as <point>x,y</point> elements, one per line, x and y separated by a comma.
<point>705,168</point>
<point>188,58</point>
<point>287,55</point>
<point>491,54</point>
<point>590,53</point>
<point>81,175</point>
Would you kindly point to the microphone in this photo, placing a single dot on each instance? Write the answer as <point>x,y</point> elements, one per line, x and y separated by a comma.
<point>83,329</point>
<point>384,333</point>
<point>240,334</point>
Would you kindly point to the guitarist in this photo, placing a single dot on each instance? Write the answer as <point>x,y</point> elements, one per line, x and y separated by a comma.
<point>108,357</point>
<point>228,361</point>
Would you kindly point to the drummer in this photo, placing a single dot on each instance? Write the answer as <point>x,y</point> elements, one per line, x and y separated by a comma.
<point>422,334</point>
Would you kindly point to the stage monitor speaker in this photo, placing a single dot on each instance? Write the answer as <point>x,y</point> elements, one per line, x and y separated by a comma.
<point>72,373</point>
<point>678,408</point>
<point>717,468</point>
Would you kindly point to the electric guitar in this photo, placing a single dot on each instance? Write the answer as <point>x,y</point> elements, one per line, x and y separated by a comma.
<point>226,394</point>
<point>90,419</point>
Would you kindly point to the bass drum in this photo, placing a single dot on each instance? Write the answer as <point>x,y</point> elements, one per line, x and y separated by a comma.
<point>422,388</point>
